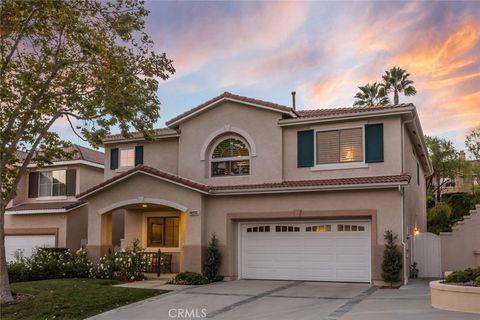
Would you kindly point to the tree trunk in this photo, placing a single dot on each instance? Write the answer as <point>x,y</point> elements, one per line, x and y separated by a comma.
<point>5,292</point>
<point>395,96</point>
<point>439,190</point>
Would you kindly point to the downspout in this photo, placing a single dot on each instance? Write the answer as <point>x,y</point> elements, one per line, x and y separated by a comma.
<point>402,203</point>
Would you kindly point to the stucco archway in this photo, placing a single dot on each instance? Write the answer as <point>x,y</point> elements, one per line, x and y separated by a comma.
<point>140,200</point>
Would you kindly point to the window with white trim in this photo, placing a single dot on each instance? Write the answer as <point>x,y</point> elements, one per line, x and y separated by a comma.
<point>230,157</point>
<point>127,157</point>
<point>52,183</point>
<point>339,146</point>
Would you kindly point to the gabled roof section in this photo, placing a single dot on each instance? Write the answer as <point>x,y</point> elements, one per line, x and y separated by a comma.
<point>227,96</point>
<point>149,171</point>
<point>285,186</point>
<point>80,154</point>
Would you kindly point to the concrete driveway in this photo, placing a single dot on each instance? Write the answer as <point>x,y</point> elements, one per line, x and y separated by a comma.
<point>262,300</point>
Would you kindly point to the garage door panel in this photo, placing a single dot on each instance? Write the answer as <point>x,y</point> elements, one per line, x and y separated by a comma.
<point>27,244</point>
<point>322,251</point>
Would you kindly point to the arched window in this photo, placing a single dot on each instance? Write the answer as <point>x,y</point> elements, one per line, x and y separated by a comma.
<point>230,157</point>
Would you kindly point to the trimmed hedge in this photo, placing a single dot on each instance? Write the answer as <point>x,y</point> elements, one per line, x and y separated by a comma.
<point>190,278</point>
<point>470,276</point>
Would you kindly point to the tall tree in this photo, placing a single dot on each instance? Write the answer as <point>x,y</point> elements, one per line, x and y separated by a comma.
<point>445,161</point>
<point>371,95</point>
<point>397,80</point>
<point>89,62</point>
<point>472,143</point>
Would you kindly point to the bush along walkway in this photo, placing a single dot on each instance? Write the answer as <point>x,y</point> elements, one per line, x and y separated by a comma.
<point>70,298</point>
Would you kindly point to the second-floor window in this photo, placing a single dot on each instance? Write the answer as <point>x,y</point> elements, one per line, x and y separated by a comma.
<point>52,183</point>
<point>339,146</point>
<point>230,157</point>
<point>127,157</point>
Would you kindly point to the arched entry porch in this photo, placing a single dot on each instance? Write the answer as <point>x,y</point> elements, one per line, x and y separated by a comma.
<point>155,223</point>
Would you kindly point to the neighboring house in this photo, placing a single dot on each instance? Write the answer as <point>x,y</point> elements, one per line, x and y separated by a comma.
<point>297,195</point>
<point>461,182</point>
<point>46,211</point>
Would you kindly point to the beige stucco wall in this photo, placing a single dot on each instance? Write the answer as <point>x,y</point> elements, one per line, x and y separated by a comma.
<point>461,248</point>
<point>161,154</point>
<point>392,152</point>
<point>259,124</point>
<point>311,205</point>
<point>26,224</point>
<point>415,193</point>
<point>77,228</point>
<point>87,177</point>
<point>99,238</point>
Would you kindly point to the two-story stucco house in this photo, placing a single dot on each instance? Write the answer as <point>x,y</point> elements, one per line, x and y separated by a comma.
<point>290,194</point>
<point>45,211</point>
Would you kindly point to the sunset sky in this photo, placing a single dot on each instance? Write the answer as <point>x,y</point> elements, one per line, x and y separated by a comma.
<point>322,50</point>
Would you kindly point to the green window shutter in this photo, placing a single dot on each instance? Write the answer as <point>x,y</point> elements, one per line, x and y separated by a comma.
<point>374,142</point>
<point>305,149</point>
<point>33,184</point>
<point>114,158</point>
<point>138,155</point>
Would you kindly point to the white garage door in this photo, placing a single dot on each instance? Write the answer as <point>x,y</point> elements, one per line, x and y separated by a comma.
<point>321,251</point>
<point>27,244</point>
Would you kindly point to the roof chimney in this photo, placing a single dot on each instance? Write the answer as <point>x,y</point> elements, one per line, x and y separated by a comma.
<point>293,101</point>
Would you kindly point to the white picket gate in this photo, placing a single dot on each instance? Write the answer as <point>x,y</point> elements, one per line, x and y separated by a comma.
<point>427,254</point>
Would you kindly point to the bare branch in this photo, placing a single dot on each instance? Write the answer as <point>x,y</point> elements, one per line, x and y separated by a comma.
<point>75,131</point>
<point>28,158</point>
<point>16,43</point>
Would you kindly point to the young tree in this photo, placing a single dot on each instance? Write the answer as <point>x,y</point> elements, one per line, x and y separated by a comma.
<point>392,259</point>
<point>213,260</point>
<point>472,143</point>
<point>445,161</point>
<point>371,95</point>
<point>87,62</point>
<point>397,80</point>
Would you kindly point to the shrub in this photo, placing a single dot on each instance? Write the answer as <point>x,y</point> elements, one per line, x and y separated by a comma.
<point>213,260</point>
<point>190,278</point>
<point>430,201</point>
<point>458,277</point>
<point>438,218</point>
<point>461,204</point>
<point>49,263</point>
<point>392,259</point>
<point>125,265</point>
<point>477,281</point>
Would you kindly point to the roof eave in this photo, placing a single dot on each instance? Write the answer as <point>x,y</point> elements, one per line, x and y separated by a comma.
<point>135,139</point>
<point>362,186</point>
<point>43,211</point>
<point>340,117</point>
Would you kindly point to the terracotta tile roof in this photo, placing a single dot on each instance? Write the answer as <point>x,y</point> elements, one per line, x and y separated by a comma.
<point>227,95</point>
<point>315,183</point>
<point>159,132</point>
<point>153,171</point>
<point>79,153</point>
<point>67,205</point>
<point>286,184</point>
<point>341,111</point>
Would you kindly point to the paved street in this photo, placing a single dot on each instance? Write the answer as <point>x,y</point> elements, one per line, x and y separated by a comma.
<point>286,300</point>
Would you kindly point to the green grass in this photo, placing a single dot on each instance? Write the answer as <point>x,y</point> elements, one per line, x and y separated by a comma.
<point>69,298</point>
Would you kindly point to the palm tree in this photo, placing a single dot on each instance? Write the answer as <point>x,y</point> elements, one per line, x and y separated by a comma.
<point>371,95</point>
<point>397,80</point>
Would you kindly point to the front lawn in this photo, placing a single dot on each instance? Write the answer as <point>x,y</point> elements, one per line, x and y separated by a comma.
<point>70,298</point>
